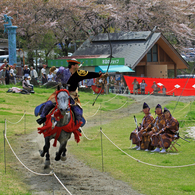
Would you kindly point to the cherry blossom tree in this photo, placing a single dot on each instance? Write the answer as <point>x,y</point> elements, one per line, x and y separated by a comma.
<point>47,23</point>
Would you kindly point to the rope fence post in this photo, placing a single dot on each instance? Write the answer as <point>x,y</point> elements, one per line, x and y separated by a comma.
<point>4,132</point>
<point>102,150</point>
<point>88,110</point>
<point>100,114</point>
<point>24,121</point>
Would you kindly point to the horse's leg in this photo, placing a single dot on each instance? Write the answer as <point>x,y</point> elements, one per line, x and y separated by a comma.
<point>45,147</point>
<point>46,150</point>
<point>61,149</point>
<point>47,160</point>
<point>63,157</point>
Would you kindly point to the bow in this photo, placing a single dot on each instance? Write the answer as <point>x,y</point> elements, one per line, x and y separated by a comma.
<point>108,64</point>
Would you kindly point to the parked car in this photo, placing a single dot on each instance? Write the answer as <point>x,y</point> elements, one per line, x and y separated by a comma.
<point>186,76</point>
<point>2,57</point>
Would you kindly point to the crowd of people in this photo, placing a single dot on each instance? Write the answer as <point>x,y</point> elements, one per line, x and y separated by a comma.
<point>155,135</point>
<point>141,87</point>
<point>8,73</point>
<point>110,83</point>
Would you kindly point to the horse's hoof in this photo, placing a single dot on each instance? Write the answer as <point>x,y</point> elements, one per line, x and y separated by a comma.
<point>46,166</point>
<point>41,153</point>
<point>57,158</point>
<point>63,158</point>
<point>47,163</point>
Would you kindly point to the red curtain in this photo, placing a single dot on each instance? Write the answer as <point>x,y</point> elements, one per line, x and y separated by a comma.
<point>175,86</point>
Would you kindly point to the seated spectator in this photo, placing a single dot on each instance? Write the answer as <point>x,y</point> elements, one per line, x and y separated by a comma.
<point>25,84</point>
<point>50,76</point>
<point>28,81</point>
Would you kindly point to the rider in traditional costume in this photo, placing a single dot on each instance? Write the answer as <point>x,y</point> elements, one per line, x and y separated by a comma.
<point>136,136</point>
<point>166,135</point>
<point>153,128</point>
<point>70,76</point>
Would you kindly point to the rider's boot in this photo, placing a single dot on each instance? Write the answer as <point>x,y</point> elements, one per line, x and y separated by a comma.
<point>46,109</point>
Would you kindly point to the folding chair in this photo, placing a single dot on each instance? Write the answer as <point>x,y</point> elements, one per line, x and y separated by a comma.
<point>174,142</point>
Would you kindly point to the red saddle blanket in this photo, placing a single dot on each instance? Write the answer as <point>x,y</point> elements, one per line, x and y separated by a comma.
<point>47,129</point>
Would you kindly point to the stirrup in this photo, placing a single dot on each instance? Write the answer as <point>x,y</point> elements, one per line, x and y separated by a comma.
<point>41,120</point>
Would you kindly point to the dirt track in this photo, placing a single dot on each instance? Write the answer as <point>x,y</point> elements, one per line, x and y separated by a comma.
<point>76,176</point>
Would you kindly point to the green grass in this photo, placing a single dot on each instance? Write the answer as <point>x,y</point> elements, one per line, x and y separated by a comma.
<point>12,109</point>
<point>144,178</point>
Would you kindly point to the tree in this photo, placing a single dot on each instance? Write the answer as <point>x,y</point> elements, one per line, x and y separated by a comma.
<point>47,23</point>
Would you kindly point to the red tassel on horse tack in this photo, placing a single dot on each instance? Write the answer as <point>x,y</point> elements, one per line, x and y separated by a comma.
<point>70,127</point>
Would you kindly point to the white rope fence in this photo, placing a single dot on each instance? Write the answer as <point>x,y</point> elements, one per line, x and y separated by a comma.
<point>62,184</point>
<point>159,166</point>
<point>89,138</point>
<point>117,108</point>
<point>17,121</point>
<point>52,173</point>
<point>85,103</point>
<point>183,108</point>
<point>116,95</point>
<point>147,96</point>
<point>43,174</point>
<point>36,173</point>
<point>95,112</point>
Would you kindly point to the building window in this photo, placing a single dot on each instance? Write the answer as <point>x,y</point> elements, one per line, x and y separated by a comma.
<point>152,55</point>
<point>149,56</point>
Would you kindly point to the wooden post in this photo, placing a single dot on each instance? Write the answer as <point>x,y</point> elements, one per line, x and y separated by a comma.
<point>4,133</point>
<point>100,114</point>
<point>175,70</point>
<point>24,121</point>
<point>102,150</point>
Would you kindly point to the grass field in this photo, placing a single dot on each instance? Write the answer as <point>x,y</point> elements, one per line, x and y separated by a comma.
<point>12,109</point>
<point>144,178</point>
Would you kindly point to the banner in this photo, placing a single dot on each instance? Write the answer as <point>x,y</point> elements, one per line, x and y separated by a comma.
<point>173,86</point>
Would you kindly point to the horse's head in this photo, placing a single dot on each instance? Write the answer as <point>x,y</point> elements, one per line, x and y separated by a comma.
<point>63,101</point>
